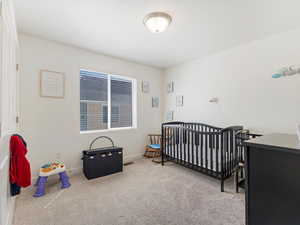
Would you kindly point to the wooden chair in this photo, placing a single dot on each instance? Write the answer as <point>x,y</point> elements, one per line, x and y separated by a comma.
<point>153,149</point>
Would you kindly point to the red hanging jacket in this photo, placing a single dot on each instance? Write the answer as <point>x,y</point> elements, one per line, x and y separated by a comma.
<point>19,166</point>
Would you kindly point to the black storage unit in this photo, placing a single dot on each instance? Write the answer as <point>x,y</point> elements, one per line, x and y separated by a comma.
<point>273,180</point>
<point>102,161</point>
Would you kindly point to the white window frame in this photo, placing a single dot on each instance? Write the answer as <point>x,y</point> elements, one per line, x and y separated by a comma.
<point>134,102</point>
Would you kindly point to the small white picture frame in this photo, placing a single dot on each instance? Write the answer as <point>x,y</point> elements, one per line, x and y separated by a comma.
<point>170,115</point>
<point>179,100</point>
<point>155,102</point>
<point>170,87</point>
<point>52,84</point>
<point>145,86</point>
<point>298,131</point>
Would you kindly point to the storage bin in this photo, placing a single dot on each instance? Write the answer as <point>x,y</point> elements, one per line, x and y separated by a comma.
<point>100,162</point>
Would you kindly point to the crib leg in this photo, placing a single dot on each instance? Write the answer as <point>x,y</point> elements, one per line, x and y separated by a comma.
<point>222,185</point>
<point>237,180</point>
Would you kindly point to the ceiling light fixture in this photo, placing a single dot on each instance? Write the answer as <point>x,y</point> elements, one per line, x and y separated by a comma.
<point>157,22</point>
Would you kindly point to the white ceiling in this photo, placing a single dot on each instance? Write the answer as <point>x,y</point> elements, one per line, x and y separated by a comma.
<point>115,28</point>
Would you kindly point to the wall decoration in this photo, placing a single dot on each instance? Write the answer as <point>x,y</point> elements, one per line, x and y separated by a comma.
<point>287,71</point>
<point>155,102</point>
<point>170,116</point>
<point>145,86</point>
<point>52,84</point>
<point>179,100</point>
<point>170,87</point>
<point>214,100</point>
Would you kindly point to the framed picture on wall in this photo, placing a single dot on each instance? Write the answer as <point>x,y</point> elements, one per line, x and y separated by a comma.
<point>145,86</point>
<point>52,84</point>
<point>170,115</point>
<point>170,87</point>
<point>179,100</point>
<point>155,102</point>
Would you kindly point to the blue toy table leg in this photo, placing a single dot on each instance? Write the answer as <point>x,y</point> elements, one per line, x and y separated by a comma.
<point>37,182</point>
<point>64,180</point>
<point>40,190</point>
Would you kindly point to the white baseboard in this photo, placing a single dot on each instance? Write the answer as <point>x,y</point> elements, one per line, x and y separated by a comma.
<point>133,157</point>
<point>11,211</point>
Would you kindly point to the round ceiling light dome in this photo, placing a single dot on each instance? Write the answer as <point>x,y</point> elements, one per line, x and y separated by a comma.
<point>157,22</point>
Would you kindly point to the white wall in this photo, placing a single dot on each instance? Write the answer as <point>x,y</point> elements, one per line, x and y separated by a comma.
<point>241,79</point>
<point>51,126</point>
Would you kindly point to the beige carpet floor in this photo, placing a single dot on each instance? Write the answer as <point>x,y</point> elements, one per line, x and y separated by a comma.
<point>144,194</point>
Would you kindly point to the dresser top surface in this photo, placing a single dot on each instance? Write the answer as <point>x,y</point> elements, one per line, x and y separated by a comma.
<point>277,140</point>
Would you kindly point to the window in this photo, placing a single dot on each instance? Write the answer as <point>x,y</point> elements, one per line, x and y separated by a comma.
<point>106,101</point>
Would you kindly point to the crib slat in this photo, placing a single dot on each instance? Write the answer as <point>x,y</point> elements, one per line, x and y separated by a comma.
<point>197,146</point>
<point>209,149</point>
<point>201,145</point>
<point>181,140</point>
<point>188,146</point>
<point>170,144</point>
<point>232,152</point>
<point>177,143</point>
<point>227,155</point>
<point>206,152</point>
<point>214,151</point>
<point>192,145</point>
<point>174,143</point>
<point>217,152</point>
<point>183,143</point>
<point>222,152</point>
<point>164,144</point>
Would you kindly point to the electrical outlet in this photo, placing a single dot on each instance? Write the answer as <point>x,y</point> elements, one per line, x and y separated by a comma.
<point>57,155</point>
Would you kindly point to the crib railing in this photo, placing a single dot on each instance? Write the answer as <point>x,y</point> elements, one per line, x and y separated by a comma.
<point>208,149</point>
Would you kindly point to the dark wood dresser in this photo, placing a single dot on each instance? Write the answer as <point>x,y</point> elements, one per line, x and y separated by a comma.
<point>273,180</point>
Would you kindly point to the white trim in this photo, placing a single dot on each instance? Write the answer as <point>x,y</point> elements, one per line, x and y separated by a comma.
<point>3,163</point>
<point>94,101</point>
<point>134,103</point>
<point>122,77</point>
<point>11,211</point>
<point>107,130</point>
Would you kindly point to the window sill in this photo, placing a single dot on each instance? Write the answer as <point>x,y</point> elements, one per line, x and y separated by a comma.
<point>107,130</point>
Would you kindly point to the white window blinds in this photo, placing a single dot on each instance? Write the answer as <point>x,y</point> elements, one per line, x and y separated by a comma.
<point>121,102</point>
<point>93,99</point>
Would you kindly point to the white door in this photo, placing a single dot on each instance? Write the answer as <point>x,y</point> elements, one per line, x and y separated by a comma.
<point>8,101</point>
